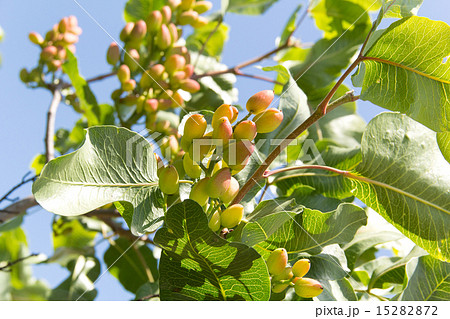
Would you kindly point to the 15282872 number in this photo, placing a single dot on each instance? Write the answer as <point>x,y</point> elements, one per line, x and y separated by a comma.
<point>407,310</point>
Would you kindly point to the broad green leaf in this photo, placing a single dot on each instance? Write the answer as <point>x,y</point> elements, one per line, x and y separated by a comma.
<point>214,91</point>
<point>404,177</point>
<point>140,9</point>
<point>311,230</point>
<point>365,241</point>
<point>79,285</point>
<point>326,183</point>
<point>69,232</point>
<point>404,71</point>
<point>325,62</point>
<point>401,8</point>
<point>250,7</point>
<point>38,162</point>
<point>335,17</point>
<point>267,218</point>
<point>443,139</point>
<point>308,197</point>
<point>290,25</point>
<point>196,264</point>
<point>11,224</point>
<point>337,290</point>
<point>114,164</point>
<point>428,280</point>
<point>148,289</point>
<point>131,263</point>
<point>88,102</point>
<point>214,37</point>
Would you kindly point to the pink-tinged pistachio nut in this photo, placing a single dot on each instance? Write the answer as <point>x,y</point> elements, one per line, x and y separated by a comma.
<point>126,31</point>
<point>174,63</point>
<point>223,110</point>
<point>139,31</point>
<point>200,22</point>
<point>129,85</point>
<point>151,105</point>
<point>307,287</point>
<point>195,127</point>
<point>219,183</point>
<point>177,100</point>
<point>268,120</point>
<point>231,192</point>
<point>131,59</point>
<point>189,70</point>
<point>235,114</point>
<point>223,130</point>
<point>260,101</point>
<point>164,104</point>
<point>237,154</point>
<point>166,14</point>
<point>245,130</point>
<point>173,32</point>
<point>190,86</point>
<point>49,53</point>
<point>154,21</point>
<point>36,38</point>
<point>164,39</point>
<point>188,17</point>
<point>113,54</point>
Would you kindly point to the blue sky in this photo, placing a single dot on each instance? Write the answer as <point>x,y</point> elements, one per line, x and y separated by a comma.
<point>23,110</point>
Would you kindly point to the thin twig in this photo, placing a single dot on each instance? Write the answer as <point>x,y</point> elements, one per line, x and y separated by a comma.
<point>207,40</point>
<point>14,262</point>
<point>50,130</point>
<point>23,182</point>
<point>264,192</point>
<point>93,79</point>
<point>257,77</point>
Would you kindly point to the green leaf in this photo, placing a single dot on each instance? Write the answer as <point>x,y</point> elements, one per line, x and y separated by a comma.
<point>267,218</point>
<point>38,162</point>
<point>79,285</point>
<point>336,17</point>
<point>114,164</point>
<point>70,232</point>
<point>214,91</point>
<point>443,140</point>
<point>330,264</point>
<point>214,41</point>
<point>147,290</point>
<point>311,230</point>
<point>250,7</point>
<point>337,290</point>
<point>401,8</point>
<point>290,25</point>
<point>127,261</point>
<point>428,280</point>
<point>88,102</point>
<point>140,9</point>
<point>196,264</point>
<point>395,179</point>
<point>365,241</point>
<point>404,71</point>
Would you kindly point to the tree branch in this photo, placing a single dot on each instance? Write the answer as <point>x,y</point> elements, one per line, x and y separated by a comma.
<point>23,182</point>
<point>51,118</point>
<point>14,262</point>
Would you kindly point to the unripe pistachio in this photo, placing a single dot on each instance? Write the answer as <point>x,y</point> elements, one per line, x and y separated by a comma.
<point>188,17</point>
<point>151,105</point>
<point>231,192</point>
<point>154,21</point>
<point>164,39</point>
<point>51,36</point>
<point>186,4</point>
<point>181,50</point>
<point>223,110</point>
<point>150,120</point>
<point>245,130</point>
<point>24,75</point>
<point>48,53</point>
<point>113,54</point>
<point>202,6</point>
<point>76,30</point>
<point>62,54</point>
<point>69,38</point>
<point>123,73</point>
<point>36,38</point>
<point>129,85</point>
<point>232,216</point>
<point>177,78</point>
<point>214,222</point>
<point>237,154</point>
<point>189,70</point>
<point>174,63</point>
<point>191,168</point>
<point>277,261</point>
<point>154,73</point>
<point>54,65</point>
<point>64,25</point>
<point>235,114</point>
<point>194,127</point>
<point>200,22</point>
<point>169,180</point>
<point>177,100</point>
<point>223,130</point>
<point>35,75</point>
<point>73,21</point>
<point>190,86</point>
<point>307,287</point>
<point>126,31</point>
<point>301,267</point>
<point>131,59</point>
<point>174,4</point>
<point>166,14</point>
<point>268,120</point>
<point>200,148</point>
<point>285,275</point>
<point>199,192</point>
<point>164,104</point>
<point>139,31</point>
<point>260,101</point>
<point>173,32</point>
<point>279,288</point>
<point>169,146</point>
<point>219,183</point>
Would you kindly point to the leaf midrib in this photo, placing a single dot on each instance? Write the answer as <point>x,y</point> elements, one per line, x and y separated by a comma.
<point>100,185</point>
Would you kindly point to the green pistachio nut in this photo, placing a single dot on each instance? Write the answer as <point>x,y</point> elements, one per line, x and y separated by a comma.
<point>174,63</point>
<point>214,222</point>
<point>307,287</point>
<point>194,127</point>
<point>199,192</point>
<point>126,31</point>
<point>268,120</point>
<point>202,6</point>
<point>279,288</point>
<point>301,267</point>
<point>223,110</point>
<point>188,18</point>
<point>169,180</point>
<point>154,21</point>
<point>36,38</point>
<point>237,154</point>
<point>131,59</point>
<point>190,85</point>
<point>260,101</point>
<point>123,73</point>
<point>232,216</point>
<point>219,183</point>
<point>223,130</point>
<point>277,261</point>
<point>231,192</point>
<point>286,274</point>
<point>192,169</point>
<point>186,4</point>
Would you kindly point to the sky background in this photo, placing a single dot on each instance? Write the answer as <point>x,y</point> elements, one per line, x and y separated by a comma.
<point>23,110</point>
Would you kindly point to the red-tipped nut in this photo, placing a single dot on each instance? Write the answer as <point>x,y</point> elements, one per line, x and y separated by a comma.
<point>151,105</point>
<point>131,59</point>
<point>48,53</point>
<point>113,54</point>
<point>166,14</point>
<point>307,287</point>
<point>129,85</point>
<point>139,31</point>
<point>260,101</point>
<point>219,183</point>
<point>223,130</point>
<point>174,63</point>
<point>126,31</point>
<point>154,21</point>
<point>268,120</point>
<point>277,261</point>
<point>190,86</point>
<point>164,39</point>
<point>245,130</point>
